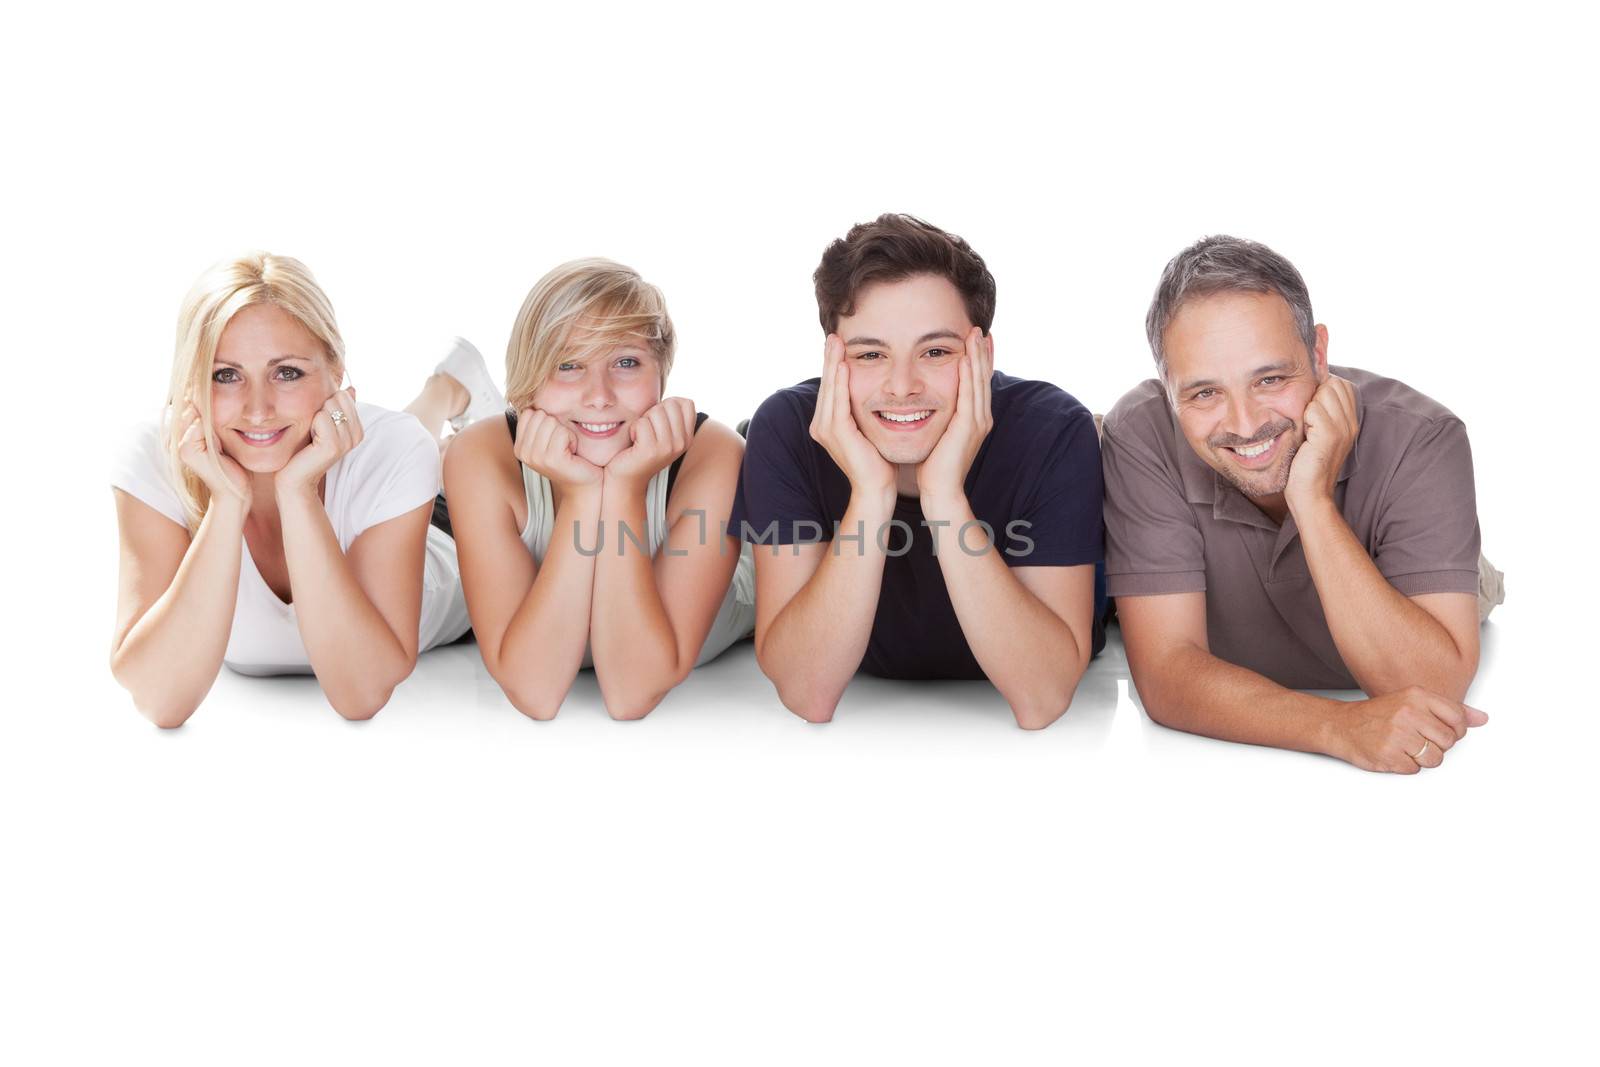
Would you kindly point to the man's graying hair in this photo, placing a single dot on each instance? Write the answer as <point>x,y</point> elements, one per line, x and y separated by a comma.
<point>1224,264</point>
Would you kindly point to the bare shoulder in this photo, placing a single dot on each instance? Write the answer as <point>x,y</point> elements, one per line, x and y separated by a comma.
<point>481,451</point>
<point>710,471</point>
<point>713,446</point>
<point>479,467</point>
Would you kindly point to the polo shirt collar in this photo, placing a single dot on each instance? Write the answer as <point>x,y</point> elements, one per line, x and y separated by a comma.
<point>1202,485</point>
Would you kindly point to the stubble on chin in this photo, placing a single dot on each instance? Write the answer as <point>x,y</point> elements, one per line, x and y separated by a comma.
<point>1262,483</point>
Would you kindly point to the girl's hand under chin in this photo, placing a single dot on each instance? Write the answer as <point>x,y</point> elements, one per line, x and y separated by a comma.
<point>546,446</point>
<point>659,436</point>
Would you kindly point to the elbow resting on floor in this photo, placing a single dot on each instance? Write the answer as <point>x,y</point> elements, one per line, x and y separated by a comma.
<point>541,707</point>
<point>360,707</point>
<point>1161,711</point>
<point>635,697</point>
<point>631,707</point>
<point>812,707</point>
<point>166,716</point>
<point>1036,712</point>
<point>165,711</point>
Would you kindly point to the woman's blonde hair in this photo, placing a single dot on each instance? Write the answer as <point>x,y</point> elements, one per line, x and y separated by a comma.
<point>578,310</point>
<point>221,293</point>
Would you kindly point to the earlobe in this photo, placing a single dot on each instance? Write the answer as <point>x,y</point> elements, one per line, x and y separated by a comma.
<point>1320,364</point>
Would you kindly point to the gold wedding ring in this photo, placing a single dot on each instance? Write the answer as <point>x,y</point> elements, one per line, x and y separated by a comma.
<point>1421,751</point>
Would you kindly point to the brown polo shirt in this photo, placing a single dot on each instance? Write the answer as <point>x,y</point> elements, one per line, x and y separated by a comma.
<point>1173,525</point>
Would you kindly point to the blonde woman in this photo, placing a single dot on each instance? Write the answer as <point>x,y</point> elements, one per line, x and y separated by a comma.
<point>271,522</point>
<point>590,521</point>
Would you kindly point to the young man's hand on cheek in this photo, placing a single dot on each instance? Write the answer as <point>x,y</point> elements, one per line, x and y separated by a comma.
<point>941,478</point>
<point>833,426</point>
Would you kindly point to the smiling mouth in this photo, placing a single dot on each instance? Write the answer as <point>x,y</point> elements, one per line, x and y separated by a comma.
<point>1257,454</point>
<point>598,429</point>
<point>904,420</point>
<point>263,438</point>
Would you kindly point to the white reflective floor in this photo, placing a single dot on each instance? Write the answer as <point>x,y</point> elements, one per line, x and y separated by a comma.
<point>453,881</point>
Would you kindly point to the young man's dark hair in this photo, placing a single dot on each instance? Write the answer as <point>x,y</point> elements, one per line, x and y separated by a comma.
<point>894,247</point>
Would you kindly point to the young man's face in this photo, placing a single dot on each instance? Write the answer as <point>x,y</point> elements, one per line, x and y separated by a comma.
<point>903,343</point>
<point>1240,378</point>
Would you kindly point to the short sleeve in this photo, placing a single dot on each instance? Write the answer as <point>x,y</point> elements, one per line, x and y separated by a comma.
<point>1060,524</point>
<point>1426,537</point>
<point>395,469</point>
<point>141,470</point>
<point>1153,543</point>
<point>776,493</point>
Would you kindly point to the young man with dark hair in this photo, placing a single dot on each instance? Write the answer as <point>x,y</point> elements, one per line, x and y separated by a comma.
<point>1276,524</point>
<point>916,513</point>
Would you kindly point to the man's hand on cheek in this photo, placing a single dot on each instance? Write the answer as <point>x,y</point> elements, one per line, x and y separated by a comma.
<point>1331,428</point>
<point>942,477</point>
<point>834,426</point>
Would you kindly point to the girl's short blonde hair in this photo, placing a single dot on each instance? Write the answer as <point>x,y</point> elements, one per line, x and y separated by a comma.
<point>221,293</point>
<point>580,309</point>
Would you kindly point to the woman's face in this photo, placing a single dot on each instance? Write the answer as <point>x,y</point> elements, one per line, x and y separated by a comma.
<point>269,377</point>
<point>598,397</point>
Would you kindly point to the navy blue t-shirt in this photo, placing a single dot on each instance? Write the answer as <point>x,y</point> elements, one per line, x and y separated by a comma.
<point>1035,481</point>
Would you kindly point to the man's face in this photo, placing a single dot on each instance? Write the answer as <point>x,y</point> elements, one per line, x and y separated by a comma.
<point>903,345</point>
<point>1240,378</point>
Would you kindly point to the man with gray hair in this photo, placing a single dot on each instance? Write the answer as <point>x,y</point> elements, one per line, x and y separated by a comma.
<point>1274,524</point>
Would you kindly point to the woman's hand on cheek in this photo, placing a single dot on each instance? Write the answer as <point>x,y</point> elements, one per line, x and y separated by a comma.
<point>544,445</point>
<point>659,436</point>
<point>335,430</point>
<point>224,477</point>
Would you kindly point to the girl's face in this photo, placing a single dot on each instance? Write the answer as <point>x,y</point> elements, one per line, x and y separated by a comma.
<point>598,397</point>
<point>270,376</point>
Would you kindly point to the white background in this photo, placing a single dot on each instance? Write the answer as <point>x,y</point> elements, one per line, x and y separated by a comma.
<point>919,881</point>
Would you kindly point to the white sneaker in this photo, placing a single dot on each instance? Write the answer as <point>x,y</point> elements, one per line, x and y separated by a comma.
<point>465,364</point>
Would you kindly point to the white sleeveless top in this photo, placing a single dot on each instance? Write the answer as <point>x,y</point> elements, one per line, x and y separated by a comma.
<point>735,620</point>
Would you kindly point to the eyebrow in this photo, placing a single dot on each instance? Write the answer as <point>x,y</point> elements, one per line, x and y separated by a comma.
<point>936,335</point>
<point>271,362</point>
<point>1270,368</point>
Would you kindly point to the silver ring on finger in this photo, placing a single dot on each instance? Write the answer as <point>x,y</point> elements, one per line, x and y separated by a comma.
<point>338,416</point>
<point>1423,751</point>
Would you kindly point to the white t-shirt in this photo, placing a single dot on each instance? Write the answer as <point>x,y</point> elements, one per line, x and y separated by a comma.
<point>395,469</point>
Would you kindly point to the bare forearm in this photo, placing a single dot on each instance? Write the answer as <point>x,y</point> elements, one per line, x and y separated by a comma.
<point>170,658</point>
<point>1388,642</point>
<point>541,651</point>
<point>1190,689</point>
<point>812,648</point>
<point>1028,653</point>
<point>357,658</point>
<point>635,650</point>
